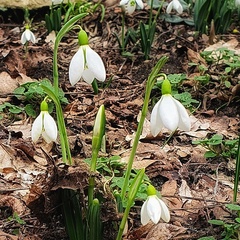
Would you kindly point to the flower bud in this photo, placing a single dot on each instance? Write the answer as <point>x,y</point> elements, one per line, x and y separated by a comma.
<point>99,129</point>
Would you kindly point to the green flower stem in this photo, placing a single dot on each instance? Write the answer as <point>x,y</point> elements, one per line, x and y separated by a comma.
<point>237,173</point>
<point>132,193</point>
<point>91,179</point>
<point>123,34</point>
<point>95,86</point>
<point>150,83</point>
<point>58,39</point>
<point>66,152</point>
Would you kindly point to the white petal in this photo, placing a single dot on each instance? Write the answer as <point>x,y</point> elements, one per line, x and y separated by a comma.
<point>177,5</point>
<point>168,112</point>
<point>144,214</point>
<point>37,127</point>
<point>23,38</point>
<point>46,137</point>
<point>32,37</point>
<point>169,7</point>
<point>130,7</point>
<point>76,67</point>
<point>95,64</point>
<point>140,3</point>
<point>154,209</point>
<point>155,121</point>
<point>50,128</point>
<point>88,76</point>
<point>165,211</point>
<point>123,2</point>
<point>184,119</point>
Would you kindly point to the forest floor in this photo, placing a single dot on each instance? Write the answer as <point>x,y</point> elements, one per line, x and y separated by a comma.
<point>195,188</point>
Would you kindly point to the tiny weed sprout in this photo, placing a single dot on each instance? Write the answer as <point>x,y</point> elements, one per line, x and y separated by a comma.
<point>154,208</point>
<point>169,113</point>
<point>176,5</point>
<point>44,125</point>
<point>86,63</point>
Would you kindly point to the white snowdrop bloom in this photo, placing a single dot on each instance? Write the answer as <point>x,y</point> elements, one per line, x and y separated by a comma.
<point>169,113</point>
<point>130,5</point>
<point>237,3</point>
<point>44,125</point>
<point>154,209</point>
<point>86,63</point>
<point>27,36</point>
<point>175,4</point>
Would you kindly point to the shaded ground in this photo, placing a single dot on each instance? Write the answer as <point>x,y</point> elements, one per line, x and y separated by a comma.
<point>194,188</point>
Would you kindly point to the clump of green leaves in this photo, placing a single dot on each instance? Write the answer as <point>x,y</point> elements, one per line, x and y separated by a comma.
<point>231,230</point>
<point>30,94</point>
<point>16,219</point>
<point>218,11</point>
<point>54,18</point>
<point>217,146</point>
<point>113,170</point>
<point>184,96</point>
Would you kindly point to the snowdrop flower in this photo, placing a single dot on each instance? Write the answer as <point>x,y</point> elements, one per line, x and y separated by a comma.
<point>44,125</point>
<point>27,36</point>
<point>154,208</point>
<point>168,113</point>
<point>237,3</point>
<point>175,4</point>
<point>86,63</point>
<point>130,5</point>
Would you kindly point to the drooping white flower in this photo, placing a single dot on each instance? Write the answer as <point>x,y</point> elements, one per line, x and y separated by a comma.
<point>154,208</point>
<point>169,113</point>
<point>130,5</point>
<point>175,4</point>
<point>27,36</point>
<point>86,63</point>
<point>44,125</point>
<point>237,3</point>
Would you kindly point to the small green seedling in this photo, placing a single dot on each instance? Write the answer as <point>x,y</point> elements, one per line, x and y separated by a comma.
<point>217,146</point>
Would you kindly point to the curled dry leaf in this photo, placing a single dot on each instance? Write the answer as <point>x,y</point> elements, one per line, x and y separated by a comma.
<point>16,204</point>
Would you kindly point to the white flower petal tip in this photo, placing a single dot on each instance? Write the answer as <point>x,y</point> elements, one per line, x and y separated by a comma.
<point>154,209</point>
<point>46,126</point>
<point>175,4</point>
<point>28,36</point>
<point>169,113</point>
<point>86,64</point>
